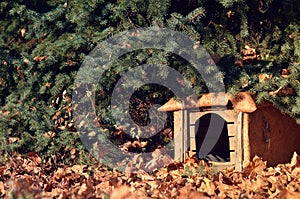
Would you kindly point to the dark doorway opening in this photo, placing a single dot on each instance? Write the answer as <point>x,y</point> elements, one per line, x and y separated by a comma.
<point>221,151</point>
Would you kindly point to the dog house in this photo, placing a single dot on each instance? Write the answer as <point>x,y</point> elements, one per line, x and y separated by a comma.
<point>235,127</point>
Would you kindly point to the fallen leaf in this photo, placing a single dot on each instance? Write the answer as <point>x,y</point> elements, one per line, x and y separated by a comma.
<point>286,194</point>
<point>257,165</point>
<point>123,192</point>
<point>295,162</point>
<point>13,139</point>
<point>264,77</point>
<point>39,59</point>
<point>248,54</point>
<point>35,157</point>
<point>286,72</point>
<point>23,32</point>
<point>2,189</point>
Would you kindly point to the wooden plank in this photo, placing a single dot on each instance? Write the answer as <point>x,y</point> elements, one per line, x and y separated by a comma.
<point>232,149</point>
<point>246,143</point>
<point>227,115</point>
<point>192,143</point>
<point>194,116</point>
<point>231,128</point>
<point>232,143</point>
<point>178,148</point>
<point>193,131</point>
<point>185,132</point>
<point>230,116</point>
<point>232,157</point>
<point>239,141</point>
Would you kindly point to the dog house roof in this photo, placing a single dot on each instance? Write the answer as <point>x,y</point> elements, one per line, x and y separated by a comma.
<point>242,102</point>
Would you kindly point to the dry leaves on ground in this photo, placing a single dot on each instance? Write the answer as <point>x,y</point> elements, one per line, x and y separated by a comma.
<point>29,177</point>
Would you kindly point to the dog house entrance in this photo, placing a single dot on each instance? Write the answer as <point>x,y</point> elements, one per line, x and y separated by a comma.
<point>221,150</point>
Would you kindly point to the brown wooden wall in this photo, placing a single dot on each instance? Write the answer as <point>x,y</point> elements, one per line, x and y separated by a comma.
<point>272,135</point>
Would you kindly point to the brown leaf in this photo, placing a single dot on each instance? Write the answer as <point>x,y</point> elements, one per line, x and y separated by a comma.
<point>175,166</point>
<point>123,192</point>
<point>286,194</point>
<point>264,77</point>
<point>295,162</point>
<point>286,72</point>
<point>39,59</point>
<point>296,172</point>
<point>73,151</point>
<point>153,184</point>
<point>49,134</point>
<point>2,189</point>
<point>249,54</point>
<point>13,139</point>
<point>2,168</point>
<point>257,165</point>
<point>85,190</point>
<point>186,193</point>
<point>35,157</point>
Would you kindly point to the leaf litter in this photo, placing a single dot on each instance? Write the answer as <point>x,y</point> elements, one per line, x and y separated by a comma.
<point>29,177</point>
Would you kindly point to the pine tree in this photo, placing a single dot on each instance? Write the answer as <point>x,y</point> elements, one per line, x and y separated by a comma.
<point>43,44</point>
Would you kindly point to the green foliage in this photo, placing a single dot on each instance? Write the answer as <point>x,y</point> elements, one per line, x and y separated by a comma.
<point>43,43</point>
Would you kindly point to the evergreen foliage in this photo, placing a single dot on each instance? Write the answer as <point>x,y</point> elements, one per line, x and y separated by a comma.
<point>43,43</point>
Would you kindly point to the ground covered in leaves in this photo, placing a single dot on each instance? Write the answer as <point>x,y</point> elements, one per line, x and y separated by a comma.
<point>30,178</point>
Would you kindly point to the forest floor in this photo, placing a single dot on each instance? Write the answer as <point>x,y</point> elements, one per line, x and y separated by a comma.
<point>28,177</point>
